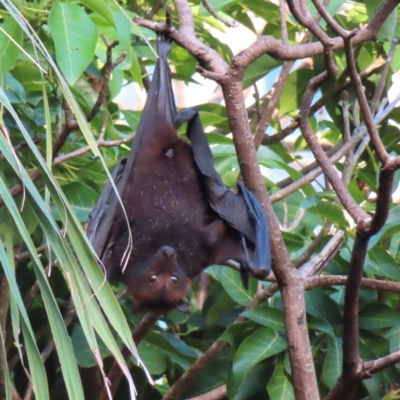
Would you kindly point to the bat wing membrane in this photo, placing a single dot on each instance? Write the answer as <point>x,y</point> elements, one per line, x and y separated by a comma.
<point>242,211</point>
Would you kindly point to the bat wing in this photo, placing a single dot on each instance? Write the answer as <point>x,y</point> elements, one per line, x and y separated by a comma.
<point>159,110</point>
<point>100,218</point>
<point>242,211</point>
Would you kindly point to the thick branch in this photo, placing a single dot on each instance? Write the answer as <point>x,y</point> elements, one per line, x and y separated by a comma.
<point>366,283</point>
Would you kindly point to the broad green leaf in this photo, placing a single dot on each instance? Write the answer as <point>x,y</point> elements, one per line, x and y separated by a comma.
<point>259,69</point>
<point>381,264</point>
<point>217,5</point>
<point>217,305</point>
<point>237,332</point>
<point>9,52</point>
<point>319,324</point>
<point>377,343</point>
<point>210,378</point>
<point>331,212</point>
<point>262,344</point>
<point>175,349</point>
<point>378,316</point>
<point>132,118</point>
<point>393,335</point>
<point>102,8</point>
<point>279,386</point>
<point>83,353</point>
<point>320,305</point>
<point>75,37</point>
<point>333,361</point>
<point>250,385</point>
<point>293,242</point>
<point>155,361</point>
<point>15,91</point>
<point>267,316</point>
<point>211,119</point>
<point>294,90</point>
<point>82,199</point>
<point>265,9</point>
<point>232,283</point>
<point>391,226</point>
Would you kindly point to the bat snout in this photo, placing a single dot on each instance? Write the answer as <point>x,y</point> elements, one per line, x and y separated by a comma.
<point>168,252</point>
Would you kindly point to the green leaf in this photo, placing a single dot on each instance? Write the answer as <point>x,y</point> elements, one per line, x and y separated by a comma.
<point>82,198</point>
<point>331,212</point>
<point>6,372</point>
<point>210,378</point>
<point>319,324</point>
<point>294,90</point>
<point>378,316</point>
<point>155,361</point>
<point>381,264</point>
<point>279,386</point>
<point>333,362</point>
<point>9,52</point>
<point>258,69</point>
<point>262,344</point>
<point>83,353</point>
<point>217,304</point>
<point>293,242</point>
<point>61,338</point>
<point>230,280</point>
<point>320,305</point>
<point>90,316</point>
<point>75,38</point>
<point>393,335</point>
<point>267,316</point>
<point>251,384</point>
<point>237,332</point>
<point>102,8</point>
<point>175,349</point>
<point>37,370</point>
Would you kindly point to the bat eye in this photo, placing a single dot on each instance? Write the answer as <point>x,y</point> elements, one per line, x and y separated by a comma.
<point>152,278</point>
<point>174,279</point>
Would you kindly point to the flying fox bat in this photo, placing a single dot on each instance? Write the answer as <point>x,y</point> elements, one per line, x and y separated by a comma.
<point>181,216</point>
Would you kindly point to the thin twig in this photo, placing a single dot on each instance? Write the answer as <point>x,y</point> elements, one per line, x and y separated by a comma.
<point>228,22</point>
<point>382,80</point>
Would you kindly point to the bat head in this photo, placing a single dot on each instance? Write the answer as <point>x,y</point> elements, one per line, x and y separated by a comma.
<point>159,284</point>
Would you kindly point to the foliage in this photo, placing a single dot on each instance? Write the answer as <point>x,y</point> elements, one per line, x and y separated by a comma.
<point>59,317</point>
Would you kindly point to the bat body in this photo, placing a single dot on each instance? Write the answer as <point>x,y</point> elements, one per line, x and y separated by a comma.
<point>180,218</point>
